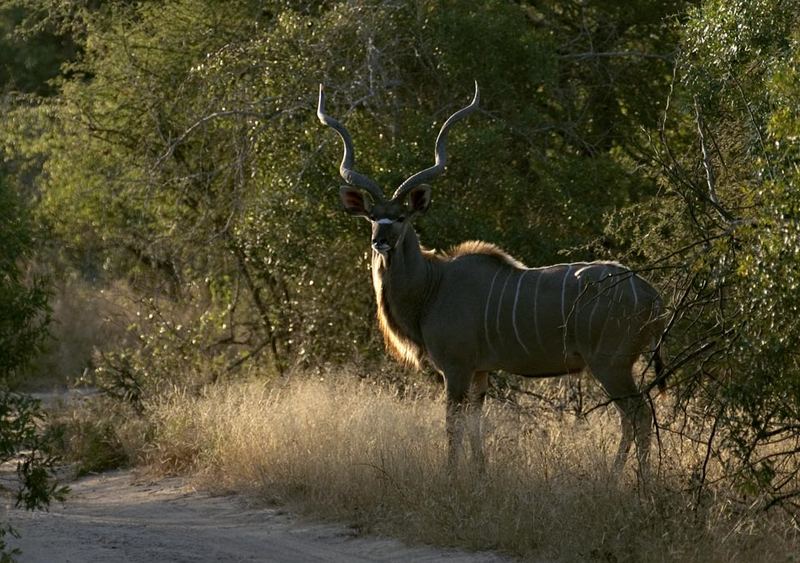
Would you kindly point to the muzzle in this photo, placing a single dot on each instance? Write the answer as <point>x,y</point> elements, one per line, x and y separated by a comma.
<point>381,246</point>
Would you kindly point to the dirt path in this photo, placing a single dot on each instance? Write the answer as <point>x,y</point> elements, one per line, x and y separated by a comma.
<point>116,518</point>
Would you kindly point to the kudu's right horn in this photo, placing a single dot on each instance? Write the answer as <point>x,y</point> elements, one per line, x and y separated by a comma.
<point>346,171</point>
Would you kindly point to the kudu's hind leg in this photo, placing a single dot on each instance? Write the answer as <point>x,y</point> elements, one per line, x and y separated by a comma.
<point>625,441</point>
<point>636,417</point>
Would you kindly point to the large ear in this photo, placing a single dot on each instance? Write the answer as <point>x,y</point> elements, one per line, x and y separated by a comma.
<point>419,198</point>
<point>354,201</point>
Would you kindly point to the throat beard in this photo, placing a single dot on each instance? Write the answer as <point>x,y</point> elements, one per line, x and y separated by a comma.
<point>382,259</point>
<point>400,332</point>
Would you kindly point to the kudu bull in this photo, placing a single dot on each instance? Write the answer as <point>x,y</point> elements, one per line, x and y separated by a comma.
<point>476,309</point>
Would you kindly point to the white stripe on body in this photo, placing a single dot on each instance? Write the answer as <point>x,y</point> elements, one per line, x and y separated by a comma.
<point>536,312</point>
<point>575,304</point>
<point>500,301</point>
<point>633,288</point>
<point>563,291</point>
<point>579,272</point>
<point>486,309</point>
<point>608,314</point>
<point>627,336</point>
<point>514,312</point>
<point>573,312</point>
<point>596,303</point>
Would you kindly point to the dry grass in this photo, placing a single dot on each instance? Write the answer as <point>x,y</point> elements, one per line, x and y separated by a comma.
<point>350,451</point>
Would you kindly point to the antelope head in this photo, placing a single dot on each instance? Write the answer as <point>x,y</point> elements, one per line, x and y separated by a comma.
<point>390,218</point>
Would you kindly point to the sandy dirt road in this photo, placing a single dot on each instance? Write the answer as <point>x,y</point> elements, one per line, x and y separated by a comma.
<point>116,517</point>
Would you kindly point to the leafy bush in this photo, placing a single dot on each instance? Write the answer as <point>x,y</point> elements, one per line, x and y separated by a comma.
<point>724,239</point>
<point>23,323</point>
<point>95,433</point>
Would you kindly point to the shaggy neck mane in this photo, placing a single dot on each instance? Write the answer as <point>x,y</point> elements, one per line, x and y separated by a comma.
<point>472,247</point>
<point>401,332</point>
<point>397,318</point>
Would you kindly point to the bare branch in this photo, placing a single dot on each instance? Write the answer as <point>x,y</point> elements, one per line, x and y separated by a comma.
<point>708,165</point>
<point>618,54</point>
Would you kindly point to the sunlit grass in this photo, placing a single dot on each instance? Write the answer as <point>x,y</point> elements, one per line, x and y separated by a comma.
<point>347,450</point>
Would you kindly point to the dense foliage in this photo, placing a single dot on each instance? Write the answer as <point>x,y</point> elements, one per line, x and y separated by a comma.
<point>23,304</point>
<point>179,152</point>
<point>725,235</point>
<point>23,325</point>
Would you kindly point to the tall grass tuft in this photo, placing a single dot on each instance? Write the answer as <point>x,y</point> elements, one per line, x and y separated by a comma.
<point>350,451</point>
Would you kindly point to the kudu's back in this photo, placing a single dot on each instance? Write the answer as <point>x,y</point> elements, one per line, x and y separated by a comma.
<point>491,313</point>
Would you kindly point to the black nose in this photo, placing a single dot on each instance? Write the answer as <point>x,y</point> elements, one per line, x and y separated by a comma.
<point>381,245</point>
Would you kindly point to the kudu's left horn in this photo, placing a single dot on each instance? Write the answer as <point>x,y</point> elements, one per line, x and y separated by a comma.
<point>441,149</point>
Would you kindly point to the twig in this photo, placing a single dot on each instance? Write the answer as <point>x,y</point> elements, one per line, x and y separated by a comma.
<point>618,54</point>
<point>708,165</point>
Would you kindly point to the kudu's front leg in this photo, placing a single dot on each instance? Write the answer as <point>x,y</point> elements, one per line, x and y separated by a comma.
<point>457,387</point>
<point>466,393</point>
<point>477,396</point>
